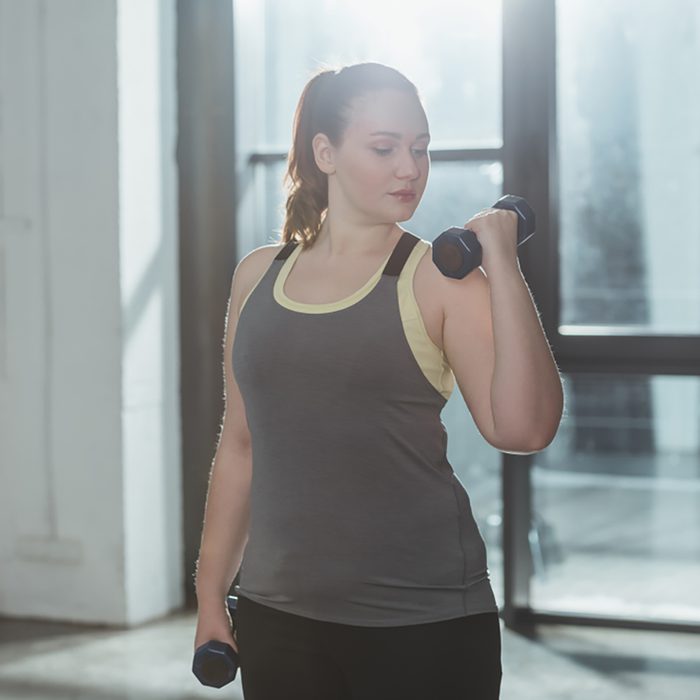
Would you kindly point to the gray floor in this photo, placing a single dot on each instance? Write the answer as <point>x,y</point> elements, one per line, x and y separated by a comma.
<point>40,660</point>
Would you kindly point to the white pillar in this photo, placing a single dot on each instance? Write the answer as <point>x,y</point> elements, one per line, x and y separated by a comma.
<point>90,473</point>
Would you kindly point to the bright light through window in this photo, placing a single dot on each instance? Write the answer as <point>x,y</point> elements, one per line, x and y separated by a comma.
<point>451,49</point>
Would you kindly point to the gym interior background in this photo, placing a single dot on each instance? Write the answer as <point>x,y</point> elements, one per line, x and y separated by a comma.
<point>142,146</point>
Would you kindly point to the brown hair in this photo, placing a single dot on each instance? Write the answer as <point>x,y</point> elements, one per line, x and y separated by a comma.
<point>324,106</point>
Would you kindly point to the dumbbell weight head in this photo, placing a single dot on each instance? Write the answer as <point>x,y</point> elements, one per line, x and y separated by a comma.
<point>457,251</point>
<point>232,605</point>
<point>215,663</point>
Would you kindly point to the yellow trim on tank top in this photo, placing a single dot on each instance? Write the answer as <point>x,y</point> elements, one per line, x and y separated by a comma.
<point>283,300</point>
<point>430,358</point>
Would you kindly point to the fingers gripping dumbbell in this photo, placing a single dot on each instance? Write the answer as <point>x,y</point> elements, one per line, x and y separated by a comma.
<point>456,251</point>
<point>215,663</point>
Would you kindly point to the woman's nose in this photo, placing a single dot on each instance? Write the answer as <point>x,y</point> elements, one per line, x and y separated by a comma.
<point>408,167</point>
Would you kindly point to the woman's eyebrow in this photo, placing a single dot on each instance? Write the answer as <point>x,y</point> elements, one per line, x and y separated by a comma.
<point>395,134</point>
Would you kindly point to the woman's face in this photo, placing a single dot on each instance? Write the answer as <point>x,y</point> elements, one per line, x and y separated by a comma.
<point>368,166</point>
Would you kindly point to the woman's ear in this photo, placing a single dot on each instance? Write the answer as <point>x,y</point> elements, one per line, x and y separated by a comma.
<point>324,153</point>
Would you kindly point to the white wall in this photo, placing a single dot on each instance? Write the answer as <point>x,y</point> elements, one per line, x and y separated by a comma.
<point>90,484</point>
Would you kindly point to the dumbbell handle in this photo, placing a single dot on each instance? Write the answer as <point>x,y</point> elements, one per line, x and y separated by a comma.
<point>215,663</point>
<point>457,251</point>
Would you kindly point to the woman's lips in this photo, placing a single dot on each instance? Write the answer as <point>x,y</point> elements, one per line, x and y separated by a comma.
<point>405,197</point>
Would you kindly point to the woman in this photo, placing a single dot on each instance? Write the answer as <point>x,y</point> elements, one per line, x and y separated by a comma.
<point>365,574</point>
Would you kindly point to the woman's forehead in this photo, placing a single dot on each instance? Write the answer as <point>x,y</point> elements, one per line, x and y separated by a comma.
<point>399,115</point>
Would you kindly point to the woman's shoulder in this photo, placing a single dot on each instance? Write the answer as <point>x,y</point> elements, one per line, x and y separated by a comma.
<point>262,256</point>
<point>252,266</point>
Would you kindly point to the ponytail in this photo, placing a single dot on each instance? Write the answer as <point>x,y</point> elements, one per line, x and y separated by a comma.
<point>307,185</point>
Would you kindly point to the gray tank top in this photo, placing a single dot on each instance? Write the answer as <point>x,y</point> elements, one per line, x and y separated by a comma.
<point>357,516</point>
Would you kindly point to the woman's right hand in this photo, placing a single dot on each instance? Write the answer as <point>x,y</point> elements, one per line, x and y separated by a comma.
<point>214,623</point>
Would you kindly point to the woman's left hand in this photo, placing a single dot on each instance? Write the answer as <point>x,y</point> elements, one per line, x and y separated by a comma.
<point>497,231</point>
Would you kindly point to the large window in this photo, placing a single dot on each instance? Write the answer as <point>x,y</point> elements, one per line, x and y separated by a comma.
<point>616,497</point>
<point>602,132</point>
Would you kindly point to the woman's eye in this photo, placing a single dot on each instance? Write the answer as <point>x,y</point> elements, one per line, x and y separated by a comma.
<point>386,151</point>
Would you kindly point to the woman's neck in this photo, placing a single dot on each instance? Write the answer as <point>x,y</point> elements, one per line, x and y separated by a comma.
<point>358,243</point>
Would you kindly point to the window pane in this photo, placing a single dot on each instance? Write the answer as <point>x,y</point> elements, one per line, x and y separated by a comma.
<point>450,49</point>
<point>616,500</point>
<point>629,157</point>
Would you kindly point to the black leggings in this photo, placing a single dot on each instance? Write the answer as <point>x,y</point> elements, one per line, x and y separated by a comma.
<point>288,656</point>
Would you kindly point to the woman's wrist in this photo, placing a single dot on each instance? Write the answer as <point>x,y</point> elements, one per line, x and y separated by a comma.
<point>210,597</point>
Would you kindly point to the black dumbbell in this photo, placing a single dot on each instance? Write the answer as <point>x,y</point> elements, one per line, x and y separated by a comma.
<point>215,663</point>
<point>456,251</point>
